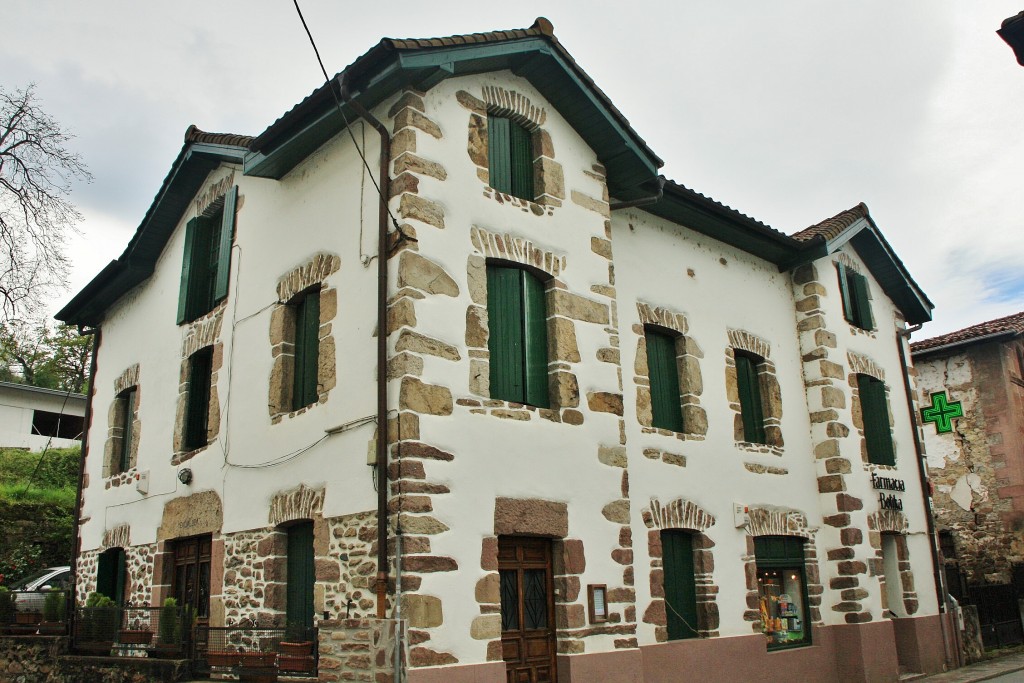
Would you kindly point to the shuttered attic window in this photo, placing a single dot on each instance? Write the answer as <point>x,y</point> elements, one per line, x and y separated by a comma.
<point>751,405</point>
<point>206,263</point>
<point>856,301</point>
<point>510,157</point>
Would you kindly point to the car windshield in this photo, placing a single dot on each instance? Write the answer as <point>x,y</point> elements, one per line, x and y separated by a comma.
<point>24,583</point>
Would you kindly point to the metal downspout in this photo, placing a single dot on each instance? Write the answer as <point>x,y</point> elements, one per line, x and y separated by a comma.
<point>87,422</point>
<point>382,348</point>
<point>922,471</point>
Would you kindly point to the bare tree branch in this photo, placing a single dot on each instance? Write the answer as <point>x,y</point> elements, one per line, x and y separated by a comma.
<point>36,218</point>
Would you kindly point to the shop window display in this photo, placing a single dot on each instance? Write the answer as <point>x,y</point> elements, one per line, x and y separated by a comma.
<point>782,590</point>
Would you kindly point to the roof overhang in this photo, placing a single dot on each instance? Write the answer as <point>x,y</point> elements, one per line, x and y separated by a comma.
<point>952,347</point>
<point>386,69</point>
<point>179,188</point>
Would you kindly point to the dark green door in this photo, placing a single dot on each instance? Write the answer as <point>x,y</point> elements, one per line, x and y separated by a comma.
<point>301,575</point>
<point>110,574</point>
<point>680,587</point>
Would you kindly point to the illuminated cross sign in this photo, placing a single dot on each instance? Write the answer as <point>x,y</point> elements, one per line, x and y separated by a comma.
<point>942,412</point>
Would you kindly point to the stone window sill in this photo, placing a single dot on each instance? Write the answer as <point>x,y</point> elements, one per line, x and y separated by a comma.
<point>764,448</point>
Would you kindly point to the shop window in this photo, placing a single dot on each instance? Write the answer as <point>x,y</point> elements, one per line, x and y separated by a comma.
<point>517,319</point>
<point>679,584</point>
<point>197,407</point>
<point>510,157</point>
<point>110,574</point>
<point>751,405</point>
<point>782,590</point>
<point>206,264</point>
<point>307,349</point>
<point>856,300</point>
<point>875,415</point>
<point>301,575</point>
<point>126,420</point>
<point>664,377</point>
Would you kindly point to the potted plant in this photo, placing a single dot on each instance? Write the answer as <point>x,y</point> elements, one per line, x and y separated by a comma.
<point>100,621</point>
<point>54,608</point>
<point>226,658</point>
<point>137,633</point>
<point>296,649</point>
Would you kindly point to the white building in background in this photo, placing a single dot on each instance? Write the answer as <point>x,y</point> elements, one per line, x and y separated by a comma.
<point>630,431</point>
<point>34,418</point>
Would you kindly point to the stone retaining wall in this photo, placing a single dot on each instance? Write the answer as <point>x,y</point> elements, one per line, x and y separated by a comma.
<point>43,659</point>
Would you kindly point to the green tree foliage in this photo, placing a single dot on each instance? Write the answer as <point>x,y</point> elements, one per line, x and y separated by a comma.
<point>34,353</point>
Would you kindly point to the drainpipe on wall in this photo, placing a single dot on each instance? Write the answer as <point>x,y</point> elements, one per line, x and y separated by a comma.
<point>87,422</point>
<point>382,348</point>
<point>922,470</point>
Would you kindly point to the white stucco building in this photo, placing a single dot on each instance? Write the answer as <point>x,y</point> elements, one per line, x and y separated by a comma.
<point>630,432</point>
<point>36,418</point>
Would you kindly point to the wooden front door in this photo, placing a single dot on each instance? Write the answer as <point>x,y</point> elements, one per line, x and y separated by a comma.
<point>192,574</point>
<point>527,609</point>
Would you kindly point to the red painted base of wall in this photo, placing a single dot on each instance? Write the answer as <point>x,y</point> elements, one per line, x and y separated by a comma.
<point>852,653</point>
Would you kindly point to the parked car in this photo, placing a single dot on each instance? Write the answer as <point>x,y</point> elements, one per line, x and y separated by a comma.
<point>30,593</point>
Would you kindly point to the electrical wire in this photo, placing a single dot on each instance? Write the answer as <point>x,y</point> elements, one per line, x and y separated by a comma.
<point>348,127</point>
<point>46,448</point>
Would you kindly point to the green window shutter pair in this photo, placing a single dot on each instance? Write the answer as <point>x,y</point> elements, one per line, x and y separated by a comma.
<point>110,574</point>
<point>510,157</point>
<point>679,583</point>
<point>127,406</point>
<point>875,414</point>
<point>197,405</point>
<point>751,407</point>
<point>518,336</point>
<point>301,575</point>
<point>664,376</point>
<point>856,302</point>
<point>307,350</point>
<point>206,265</point>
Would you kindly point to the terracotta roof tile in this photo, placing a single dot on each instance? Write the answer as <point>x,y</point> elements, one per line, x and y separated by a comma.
<point>1013,324</point>
<point>833,227</point>
<point>193,134</point>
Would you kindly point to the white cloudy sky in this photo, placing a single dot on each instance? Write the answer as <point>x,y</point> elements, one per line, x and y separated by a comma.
<point>790,110</point>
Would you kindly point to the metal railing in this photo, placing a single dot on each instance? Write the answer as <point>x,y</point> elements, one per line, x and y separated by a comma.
<point>138,631</point>
<point>35,613</point>
<point>245,648</point>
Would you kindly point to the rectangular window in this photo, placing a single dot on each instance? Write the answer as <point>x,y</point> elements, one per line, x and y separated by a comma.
<point>197,407</point>
<point>856,303</point>
<point>782,590</point>
<point>664,375</point>
<point>57,425</point>
<point>680,587</point>
<point>126,408</point>
<point>307,349</point>
<point>510,157</point>
<point>206,264</point>
<point>875,414</point>
<point>751,406</point>
<point>518,340</point>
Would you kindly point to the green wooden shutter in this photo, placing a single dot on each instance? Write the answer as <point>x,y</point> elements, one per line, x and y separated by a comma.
<point>844,289</point>
<point>198,402</point>
<point>535,340</point>
<point>128,405</point>
<point>750,399</point>
<point>119,581</point>
<point>679,583</point>
<point>521,161</point>
<point>186,271</point>
<point>499,158</point>
<point>301,575</point>
<point>862,304</point>
<point>227,234</point>
<point>505,341</point>
<point>664,375</point>
<point>875,416</point>
<point>307,350</point>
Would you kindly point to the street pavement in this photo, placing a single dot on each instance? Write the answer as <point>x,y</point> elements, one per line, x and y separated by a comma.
<point>1009,669</point>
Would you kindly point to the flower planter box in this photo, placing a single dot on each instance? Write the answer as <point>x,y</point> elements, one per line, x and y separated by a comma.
<point>256,660</point>
<point>127,637</point>
<point>28,618</point>
<point>259,675</point>
<point>296,649</point>
<point>220,658</point>
<point>301,663</point>
<point>52,628</point>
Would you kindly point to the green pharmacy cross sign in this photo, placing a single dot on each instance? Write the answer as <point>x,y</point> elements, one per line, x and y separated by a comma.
<point>942,412</point>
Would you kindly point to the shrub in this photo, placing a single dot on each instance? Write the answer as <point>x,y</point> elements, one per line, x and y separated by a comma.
<point>54,606</point>
<point>169,630</point>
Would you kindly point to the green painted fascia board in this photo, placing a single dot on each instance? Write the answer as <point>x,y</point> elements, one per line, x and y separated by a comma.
<point>891,276</point>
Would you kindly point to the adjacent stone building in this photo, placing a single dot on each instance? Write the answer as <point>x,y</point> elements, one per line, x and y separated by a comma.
<point>616,429</point>
<point>974,437</point>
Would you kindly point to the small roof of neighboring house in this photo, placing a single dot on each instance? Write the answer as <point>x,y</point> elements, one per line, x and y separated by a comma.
<point>533,53</point>
<point>29,389</point>
<point>993,330</point>
<point>855,226</point>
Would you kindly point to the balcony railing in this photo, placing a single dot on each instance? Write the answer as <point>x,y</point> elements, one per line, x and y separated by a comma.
<point>241,649</point>
<point>135,631</point>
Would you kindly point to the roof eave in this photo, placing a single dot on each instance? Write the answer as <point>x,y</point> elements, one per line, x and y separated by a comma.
<point>955,345</point>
